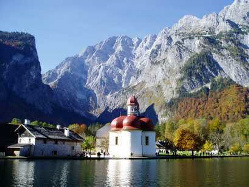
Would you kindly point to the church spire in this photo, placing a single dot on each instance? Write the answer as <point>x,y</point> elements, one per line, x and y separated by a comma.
<point>132,106</point>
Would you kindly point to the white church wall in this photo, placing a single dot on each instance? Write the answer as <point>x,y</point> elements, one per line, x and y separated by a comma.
<point>114,149</point>
<point>150,149</point>
<point>129,143</point>
<point>132,145</point>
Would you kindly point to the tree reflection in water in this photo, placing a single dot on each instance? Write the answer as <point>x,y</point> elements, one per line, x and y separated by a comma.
<point>180,172</point>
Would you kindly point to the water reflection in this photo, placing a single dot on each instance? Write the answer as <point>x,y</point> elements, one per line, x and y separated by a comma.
<point>23,173</point>
<point>198,172</point>
<point>131,173</point>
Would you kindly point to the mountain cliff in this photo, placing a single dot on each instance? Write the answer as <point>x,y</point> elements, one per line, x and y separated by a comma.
<point>181,59</point>
<point>23,94</point>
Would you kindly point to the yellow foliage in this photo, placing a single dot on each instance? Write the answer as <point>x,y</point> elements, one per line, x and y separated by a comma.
<point>246,148</point>
<point>235,148</point>
<point>208,146</point>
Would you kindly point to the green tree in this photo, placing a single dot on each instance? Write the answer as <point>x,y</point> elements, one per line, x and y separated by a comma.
<point>16,121</point>
<point>160,131</point>
<point>89,143</point>
<point>235,149</point>
<point>246,148</point>
<point>42,124</point>
<point>169,129</point>
<point>35,123</point>
<point>208,146</point>
<point>92,129</point>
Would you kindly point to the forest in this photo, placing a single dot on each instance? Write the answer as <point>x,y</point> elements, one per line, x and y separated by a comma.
<point>205,135</point>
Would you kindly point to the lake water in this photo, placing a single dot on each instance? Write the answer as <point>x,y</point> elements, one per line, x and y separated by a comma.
<point>221,172</point>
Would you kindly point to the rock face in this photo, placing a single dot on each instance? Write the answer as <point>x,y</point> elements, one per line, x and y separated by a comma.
<point>183,58</point>
<point>23,94</point>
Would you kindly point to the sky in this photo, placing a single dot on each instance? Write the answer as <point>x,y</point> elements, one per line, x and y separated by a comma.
<point>63,28</point>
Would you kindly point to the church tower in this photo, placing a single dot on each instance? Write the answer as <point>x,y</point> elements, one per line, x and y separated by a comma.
<point>132,106</point>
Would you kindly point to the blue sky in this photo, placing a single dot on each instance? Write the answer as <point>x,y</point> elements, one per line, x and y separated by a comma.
<point>63,28</point>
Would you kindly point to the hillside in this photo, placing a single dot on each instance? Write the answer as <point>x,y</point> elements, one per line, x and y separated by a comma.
<point>224,100</point>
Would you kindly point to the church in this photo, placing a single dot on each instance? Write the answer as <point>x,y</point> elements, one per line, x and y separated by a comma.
<point>132,135</point>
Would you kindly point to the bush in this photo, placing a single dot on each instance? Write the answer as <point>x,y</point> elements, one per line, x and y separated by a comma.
<point>235,149</point>
<point>246,148</point>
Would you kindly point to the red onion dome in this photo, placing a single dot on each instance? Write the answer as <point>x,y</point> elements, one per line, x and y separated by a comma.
<point>131,123</point>
<point>146,124</point>
<point>132,101</point>
<point>117,123</point>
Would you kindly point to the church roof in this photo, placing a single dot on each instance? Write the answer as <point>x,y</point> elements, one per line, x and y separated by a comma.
<point>117,123</point>
<point>132,122</point>
<point>103,132</point>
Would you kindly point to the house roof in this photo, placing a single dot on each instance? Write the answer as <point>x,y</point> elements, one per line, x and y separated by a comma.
<point>18,145</point>
<point>103,132</point>
<point>50,133</point>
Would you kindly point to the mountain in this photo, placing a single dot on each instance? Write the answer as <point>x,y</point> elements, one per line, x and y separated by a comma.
<point>158,68</point>
<point>23,95</point>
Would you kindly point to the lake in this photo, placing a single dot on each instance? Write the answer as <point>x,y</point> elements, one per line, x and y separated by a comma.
<point>220,172</point>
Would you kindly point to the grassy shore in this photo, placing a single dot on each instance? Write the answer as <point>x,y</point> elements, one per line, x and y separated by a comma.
<point>94,157</point>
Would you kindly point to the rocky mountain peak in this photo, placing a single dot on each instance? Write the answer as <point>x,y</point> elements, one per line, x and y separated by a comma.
<point>237,12</point>
<point>240,1</point>
<point>183,58</point>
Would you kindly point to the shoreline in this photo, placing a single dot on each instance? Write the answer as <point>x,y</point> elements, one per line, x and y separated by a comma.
<point>113,158</point>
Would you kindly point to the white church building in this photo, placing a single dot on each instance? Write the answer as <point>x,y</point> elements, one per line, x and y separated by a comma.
<point>132,135</point>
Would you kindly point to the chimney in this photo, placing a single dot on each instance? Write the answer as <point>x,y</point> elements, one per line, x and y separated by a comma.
<point>58,127</point>
<point>26,122</point>
<point>66,132</point>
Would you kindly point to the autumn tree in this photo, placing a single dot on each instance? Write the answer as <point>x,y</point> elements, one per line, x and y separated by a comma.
<point>246,148</point>
<point>216,128</point>
<point>235,149</point>
<point>186,140</point>
<point>78,128</point>
<point>208,146</point>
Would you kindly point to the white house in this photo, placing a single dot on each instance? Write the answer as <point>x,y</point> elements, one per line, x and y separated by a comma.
<point>44,141</point>
<point>132,135</point>
<point>102,138</point>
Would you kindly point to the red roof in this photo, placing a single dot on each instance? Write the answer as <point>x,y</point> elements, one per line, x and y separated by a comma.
<point>132,101</point>
<point>132,122</point>
<point>147,124</point>
<point>117,123</point>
